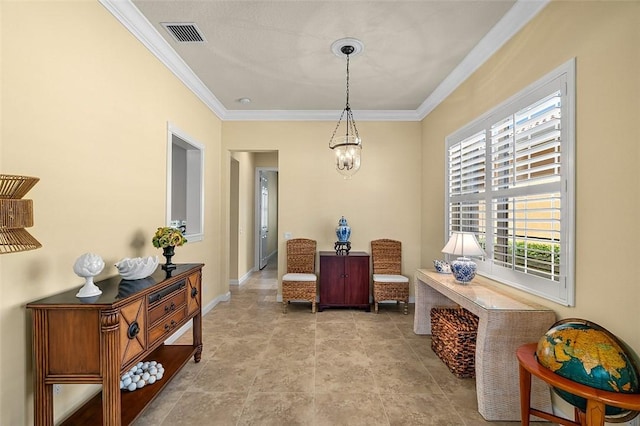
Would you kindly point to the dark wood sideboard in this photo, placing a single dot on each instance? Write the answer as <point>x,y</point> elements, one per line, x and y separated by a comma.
<point>96,340</point>
<point>344,280</point>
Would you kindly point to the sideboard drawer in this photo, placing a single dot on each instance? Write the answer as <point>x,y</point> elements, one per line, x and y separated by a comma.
<point>171,303</point>
<point>167,326</point>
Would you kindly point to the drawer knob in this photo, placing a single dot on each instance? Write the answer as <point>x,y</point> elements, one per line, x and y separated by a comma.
<point>194,292</point>
<point>171,307</point>
<point>168,327</point>
<point>133,330</point>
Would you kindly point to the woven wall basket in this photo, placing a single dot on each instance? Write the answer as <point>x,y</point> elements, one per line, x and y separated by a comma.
<point>16,214</point>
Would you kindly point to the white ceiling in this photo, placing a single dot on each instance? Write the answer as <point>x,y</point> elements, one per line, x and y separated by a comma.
<point>277,53</point>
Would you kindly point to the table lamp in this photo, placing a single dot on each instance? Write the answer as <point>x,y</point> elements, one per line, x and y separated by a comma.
<point>463,244</point>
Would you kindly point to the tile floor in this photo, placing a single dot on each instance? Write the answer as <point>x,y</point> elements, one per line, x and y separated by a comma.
<point>337,367</point>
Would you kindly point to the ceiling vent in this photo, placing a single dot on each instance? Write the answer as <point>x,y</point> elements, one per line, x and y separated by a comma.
<point>184,32</point>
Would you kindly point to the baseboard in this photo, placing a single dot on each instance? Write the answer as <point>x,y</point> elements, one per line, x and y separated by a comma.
<point>242,280</point>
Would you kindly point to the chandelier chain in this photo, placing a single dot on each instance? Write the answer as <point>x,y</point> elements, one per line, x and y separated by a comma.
<point>351,123</point>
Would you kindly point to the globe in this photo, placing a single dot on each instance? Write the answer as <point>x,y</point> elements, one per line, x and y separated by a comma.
<point>588,354</point>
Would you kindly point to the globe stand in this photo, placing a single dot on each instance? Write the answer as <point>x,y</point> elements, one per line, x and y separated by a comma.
<point>597,399</point>
<point>342,247</point>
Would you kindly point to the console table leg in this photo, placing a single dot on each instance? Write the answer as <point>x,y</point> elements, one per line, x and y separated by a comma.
<point>425,299</point>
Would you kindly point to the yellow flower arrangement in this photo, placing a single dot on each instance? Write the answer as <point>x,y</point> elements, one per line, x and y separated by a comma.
<point>166,236</point>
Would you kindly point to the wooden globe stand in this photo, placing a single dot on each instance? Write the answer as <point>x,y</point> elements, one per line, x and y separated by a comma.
<point>596,399</point>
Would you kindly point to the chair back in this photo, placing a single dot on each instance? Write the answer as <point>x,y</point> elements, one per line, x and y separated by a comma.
<point>386,256</point>
<point>301,256</point>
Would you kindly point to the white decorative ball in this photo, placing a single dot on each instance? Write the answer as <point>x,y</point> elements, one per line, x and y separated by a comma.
<point>141,374</point>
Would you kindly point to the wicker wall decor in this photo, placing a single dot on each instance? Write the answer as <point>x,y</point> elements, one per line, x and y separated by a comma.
<point>16,214</point>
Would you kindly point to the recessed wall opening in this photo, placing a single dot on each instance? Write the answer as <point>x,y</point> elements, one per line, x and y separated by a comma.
<point>185,184</point>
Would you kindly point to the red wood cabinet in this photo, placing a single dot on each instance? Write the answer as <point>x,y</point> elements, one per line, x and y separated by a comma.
<point>96,340</point>
<point>344,280</point>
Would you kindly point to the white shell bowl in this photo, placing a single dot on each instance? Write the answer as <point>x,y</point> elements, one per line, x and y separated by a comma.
<point>137,268</point>
<point>442,266</point>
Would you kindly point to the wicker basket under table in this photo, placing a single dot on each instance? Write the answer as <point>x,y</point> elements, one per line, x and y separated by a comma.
<point>453,339</point>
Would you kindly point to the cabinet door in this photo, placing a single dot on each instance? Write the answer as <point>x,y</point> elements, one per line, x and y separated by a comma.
<point>133,332</point>
<point>357,279</point>
<point>332,279</point>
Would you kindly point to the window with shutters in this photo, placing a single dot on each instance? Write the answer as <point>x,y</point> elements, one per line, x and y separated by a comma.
<point>510,181</point>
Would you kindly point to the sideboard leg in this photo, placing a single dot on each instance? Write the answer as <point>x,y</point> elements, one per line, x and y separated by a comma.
<point>43,393</point>
<point>197,337</point>
<point>111,408</point>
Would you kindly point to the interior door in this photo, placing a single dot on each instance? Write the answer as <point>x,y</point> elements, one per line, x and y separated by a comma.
<point>264,220</point>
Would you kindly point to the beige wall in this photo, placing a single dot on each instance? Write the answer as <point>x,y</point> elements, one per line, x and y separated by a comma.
<point>604,38</point>
<point>88,115</point>
<point>85,107</point>
<point>380,201</point>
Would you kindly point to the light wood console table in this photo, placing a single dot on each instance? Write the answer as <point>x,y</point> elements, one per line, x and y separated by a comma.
<point>505,323</point>
<point>96,340</point>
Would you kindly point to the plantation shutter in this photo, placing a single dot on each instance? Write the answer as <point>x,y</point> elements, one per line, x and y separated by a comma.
<point>510,181</point>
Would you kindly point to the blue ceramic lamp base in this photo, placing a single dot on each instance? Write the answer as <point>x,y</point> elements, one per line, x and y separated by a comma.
<point>463,269</point>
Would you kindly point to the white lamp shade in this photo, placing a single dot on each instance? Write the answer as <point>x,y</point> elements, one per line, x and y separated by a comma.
<point>463,244</point>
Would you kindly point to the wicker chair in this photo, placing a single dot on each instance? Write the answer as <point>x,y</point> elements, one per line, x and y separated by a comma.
<point>300,281</point>
<point>388,283</point>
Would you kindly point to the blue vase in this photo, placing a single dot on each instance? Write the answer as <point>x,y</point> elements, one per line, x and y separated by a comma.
<point>343,231</point>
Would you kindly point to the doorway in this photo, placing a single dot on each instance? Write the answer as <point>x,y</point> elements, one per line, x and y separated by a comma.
<point>253,213</point>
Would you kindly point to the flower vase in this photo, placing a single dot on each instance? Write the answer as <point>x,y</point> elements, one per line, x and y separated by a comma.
<point>168,253</point>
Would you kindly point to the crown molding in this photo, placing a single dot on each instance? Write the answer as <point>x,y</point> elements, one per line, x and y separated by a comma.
<point>132,19</point>
<point>517,17</point>
<point>320,115</point>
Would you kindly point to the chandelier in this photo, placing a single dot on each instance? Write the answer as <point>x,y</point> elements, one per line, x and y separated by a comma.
<point>347,146</point>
